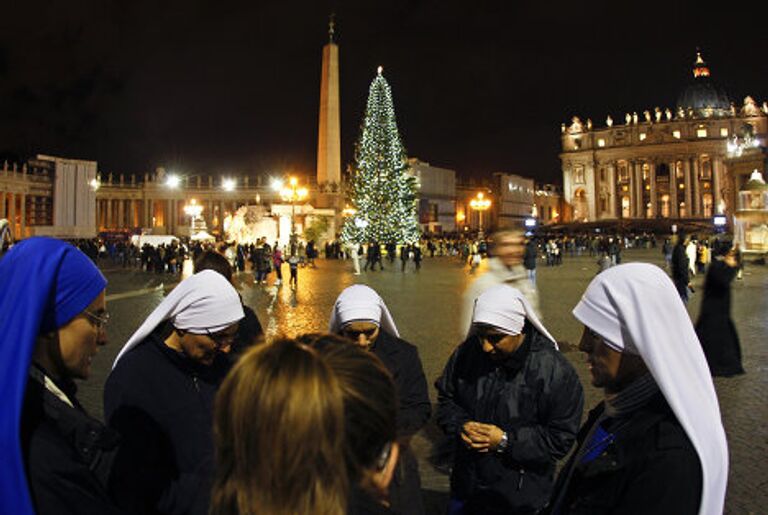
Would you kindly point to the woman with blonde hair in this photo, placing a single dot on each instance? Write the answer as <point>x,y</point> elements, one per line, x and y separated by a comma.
<point>279,434</point>
<point>370,413</point>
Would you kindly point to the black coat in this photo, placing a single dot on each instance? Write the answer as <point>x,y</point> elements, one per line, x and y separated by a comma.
<point>162,404</point>
<point>530,255</point>
<point>414,409</point>
<point>651,467</point>
<point>535,397</point>
<point>715,328</point>
<point>680,270</point>
<point>67,455</point>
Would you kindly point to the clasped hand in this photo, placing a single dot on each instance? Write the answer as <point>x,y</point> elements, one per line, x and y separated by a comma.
<point>481,437</point>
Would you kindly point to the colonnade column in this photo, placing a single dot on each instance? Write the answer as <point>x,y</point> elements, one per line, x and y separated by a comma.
<point>23,218</point>
<point>3,198</point>
<point>612,190</point>
<point>687,198</point>
<point>120,213</point>
<point>637,169</point>
<point>652,181</point>
<point>108,223</point>
<point>12,214</point>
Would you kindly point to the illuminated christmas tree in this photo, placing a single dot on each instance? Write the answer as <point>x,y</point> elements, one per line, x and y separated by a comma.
<point>381,191</point>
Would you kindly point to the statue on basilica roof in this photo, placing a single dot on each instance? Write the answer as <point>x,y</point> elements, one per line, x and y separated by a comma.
<point>576,126</point>
<point>750,107</point>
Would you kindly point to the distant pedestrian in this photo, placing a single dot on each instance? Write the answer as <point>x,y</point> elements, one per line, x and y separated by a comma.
<point>681,267</point>
<point>715,327</point>
<point>293,265</point>
<point>529,260</point>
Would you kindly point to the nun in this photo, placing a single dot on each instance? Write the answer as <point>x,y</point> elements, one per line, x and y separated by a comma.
<point>511,403</point>
<point>160,397</point>
<point>55,457</point>
<point>656,444</point>
<point>360,315</point>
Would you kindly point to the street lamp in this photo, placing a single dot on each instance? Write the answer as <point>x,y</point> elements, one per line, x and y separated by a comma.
<point>193,210</point>
<point>480,204</point>
<point>292,194</point>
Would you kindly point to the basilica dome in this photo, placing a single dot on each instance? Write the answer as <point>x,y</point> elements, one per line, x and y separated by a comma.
<point>702,95</point>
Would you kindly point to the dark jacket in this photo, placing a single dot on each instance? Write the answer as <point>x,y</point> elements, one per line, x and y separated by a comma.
<point>651,467</point>
<point>529,257</point>
<point>67,454</point>
<point>162,404</point>
<point>535,397</point>
<point>361,503</point>
<point>414,409</point>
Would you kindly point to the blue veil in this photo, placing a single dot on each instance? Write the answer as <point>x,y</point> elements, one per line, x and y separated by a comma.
<point>44,283</point>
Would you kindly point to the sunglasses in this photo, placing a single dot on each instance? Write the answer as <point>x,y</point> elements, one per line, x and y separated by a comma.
<point>100,321</point>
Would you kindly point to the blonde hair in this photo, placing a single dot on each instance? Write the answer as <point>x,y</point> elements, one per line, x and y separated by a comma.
<point>279,433</point>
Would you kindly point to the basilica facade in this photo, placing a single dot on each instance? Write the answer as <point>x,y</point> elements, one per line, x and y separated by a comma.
<point>664,163</point>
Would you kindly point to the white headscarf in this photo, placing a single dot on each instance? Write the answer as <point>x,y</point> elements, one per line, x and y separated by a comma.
<point>506,309</point>
<point>636,309</point>
<point>205,301</point>
<point>361,303</point>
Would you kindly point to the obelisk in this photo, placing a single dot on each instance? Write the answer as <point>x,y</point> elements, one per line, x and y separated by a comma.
<point>329,135</point>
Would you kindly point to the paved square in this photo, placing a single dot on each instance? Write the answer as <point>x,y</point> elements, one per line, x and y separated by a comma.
<point>426,307</point>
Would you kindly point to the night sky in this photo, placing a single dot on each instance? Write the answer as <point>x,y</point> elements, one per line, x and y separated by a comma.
<point>222,87</point>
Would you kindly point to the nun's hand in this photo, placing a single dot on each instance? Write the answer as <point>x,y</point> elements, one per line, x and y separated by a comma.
<point>492,434</point>
<point>474,438</point>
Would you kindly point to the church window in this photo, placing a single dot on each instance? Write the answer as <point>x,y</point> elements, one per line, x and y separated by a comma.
<point>623,172</point>
<point>724,132</point>
<point>706,169</point>
<point>642,136</point>
<point>601,142</point>
<point>701,133</point>
<point>578,175</point>
<point>676,134</point>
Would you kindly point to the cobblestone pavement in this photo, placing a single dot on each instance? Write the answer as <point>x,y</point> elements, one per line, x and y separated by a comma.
<point>426,305</point>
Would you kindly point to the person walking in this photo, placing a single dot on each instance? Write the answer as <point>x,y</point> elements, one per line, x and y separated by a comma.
<point>681,267</point>
<point>405,252</point>
<point>360,315</point>
<point>656,444</point>
<point>56,459</point>
<point>277,262</point>
<point>715,327</point>
<point>529,259</point>
<point>159,397</point>
<point>512,403</point>
<point>293,267</point>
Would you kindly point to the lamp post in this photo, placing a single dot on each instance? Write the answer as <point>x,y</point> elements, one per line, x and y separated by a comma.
<point>480,204</point>
<point>193,210</point>
<point>292,194</point>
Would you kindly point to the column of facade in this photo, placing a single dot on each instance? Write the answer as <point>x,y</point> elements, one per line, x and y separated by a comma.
<point>654,189</point>
<point>23,218</point>
<point>167,216</point>
<point>696,193</point>
<point>716,175</point>
<point>612,190</point>
<point>673,212</point>
<point>12,214</point>
<point>3,198</point>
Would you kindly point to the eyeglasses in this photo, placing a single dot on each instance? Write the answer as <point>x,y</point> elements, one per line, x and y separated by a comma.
<point>355,334</point>
<point>100,321</point>
<point>492,338</point>
<point>221,340</point>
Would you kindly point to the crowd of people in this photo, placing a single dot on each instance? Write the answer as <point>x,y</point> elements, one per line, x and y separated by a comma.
<point>203,415</point>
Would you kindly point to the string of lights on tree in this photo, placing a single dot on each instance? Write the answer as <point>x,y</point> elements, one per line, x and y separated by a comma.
<point>382,193</point>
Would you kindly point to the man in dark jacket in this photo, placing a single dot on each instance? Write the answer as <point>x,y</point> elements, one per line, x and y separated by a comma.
<point>513,404</point>
<point>529,259</point>
<point>680,267</point>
